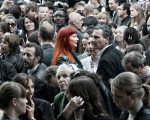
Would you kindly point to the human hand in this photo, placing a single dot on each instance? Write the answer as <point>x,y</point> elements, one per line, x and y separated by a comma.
<point>30,110</point>
<point>73,105</point>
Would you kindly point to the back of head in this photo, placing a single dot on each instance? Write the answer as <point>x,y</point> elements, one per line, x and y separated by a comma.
<point>131,36</point>
<point>84,87</point>
<point>8,91</point>
<point>46,30</point>
<point>133,58</point>
<point>22,79</point>
<point>128,83</point>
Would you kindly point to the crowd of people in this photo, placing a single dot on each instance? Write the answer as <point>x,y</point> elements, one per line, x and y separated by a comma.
<point>75,60</point>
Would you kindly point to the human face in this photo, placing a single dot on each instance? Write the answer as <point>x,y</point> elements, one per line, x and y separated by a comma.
<point>119,34</point>
<point>21,104</point>
<point>90,46</point>
<point>112,5</point>
<point>73,40</point>
<point>121,99</point>
<point>4,47</point>
<point>133,12</point>
<point>32,13</point>
<point>103,19</point>
<point>30,60</point>
<point>95,12</point>
<point>12,25</point>
<point>78,22</point>
<point>120,11</point>
<point>59,18</point>
<point>148,25</point>
<point>63,80</point>
<point>43,13</point>
<point>85,39</point>
<point>30,89</point>
<point>29,25</point>
<point>130,68</point>
<point>100,41</point>
<point>80,9</point>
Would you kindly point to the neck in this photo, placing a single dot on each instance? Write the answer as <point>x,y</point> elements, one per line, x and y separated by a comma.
<point>46,42</point>
<point>29,33</point>
<point>94,57</point>
<point>136,107</point>
<point>124,16</point>
<point>121,44</point>
<point>11,113</point>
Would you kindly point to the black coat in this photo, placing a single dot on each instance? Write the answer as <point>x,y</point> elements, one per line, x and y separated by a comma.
<point>143,114</point>
<point>48,51</point>
<point>16,60</point>
<point>7,71</point>
<point>110,64</point>
<point>43,110</point>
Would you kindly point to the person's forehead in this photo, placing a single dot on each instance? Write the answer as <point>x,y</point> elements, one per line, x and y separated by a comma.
<point>99,31</point>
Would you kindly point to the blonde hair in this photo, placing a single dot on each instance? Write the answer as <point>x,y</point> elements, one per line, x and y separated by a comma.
<point>128,83</point>
<point>103,15</point>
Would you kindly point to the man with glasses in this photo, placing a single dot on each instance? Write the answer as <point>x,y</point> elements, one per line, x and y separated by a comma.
<point>110,58</point>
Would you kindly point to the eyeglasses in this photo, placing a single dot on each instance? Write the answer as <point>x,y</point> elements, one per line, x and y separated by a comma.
<point>12,24</point>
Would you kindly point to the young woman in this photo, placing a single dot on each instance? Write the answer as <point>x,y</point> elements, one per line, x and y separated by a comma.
<point>128,92</point>
<point>40,109</point>
<point>137,17</point>
<point>30,24</point>
<point>10,51</point>
<point>13,100</point>
<point>83,104</point>
<point>66,42</point>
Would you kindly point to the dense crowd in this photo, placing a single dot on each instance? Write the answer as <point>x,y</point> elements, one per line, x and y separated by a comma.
<point>75,60</point>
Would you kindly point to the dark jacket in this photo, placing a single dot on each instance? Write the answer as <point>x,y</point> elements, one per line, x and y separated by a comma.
<point>16,60</point>
<point>143,114</point>
<point>7,71</point>
<point>145,42</point>
<point>5,117</point>
<point>108,103</point>
<point>43,110</point>
<point>48,51</point>
<point>60,101</point>
<point>38,75</point>
<point>110,64</point>
<point>126,21</point>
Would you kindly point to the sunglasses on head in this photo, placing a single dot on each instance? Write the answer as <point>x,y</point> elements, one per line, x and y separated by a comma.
<point>12,24</point>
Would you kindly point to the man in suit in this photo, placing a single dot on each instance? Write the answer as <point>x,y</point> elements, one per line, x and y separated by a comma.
<point>113,5</point>
<point>110,58</point>
<point>46,34</point>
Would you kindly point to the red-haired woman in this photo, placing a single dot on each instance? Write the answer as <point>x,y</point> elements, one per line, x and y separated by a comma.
<point>66,42</point>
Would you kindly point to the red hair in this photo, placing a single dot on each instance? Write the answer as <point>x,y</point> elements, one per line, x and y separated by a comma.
<point>62,46</point>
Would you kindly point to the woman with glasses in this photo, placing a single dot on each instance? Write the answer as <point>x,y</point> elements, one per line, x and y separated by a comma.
<point>13,100</point>
<point>12,23</point>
